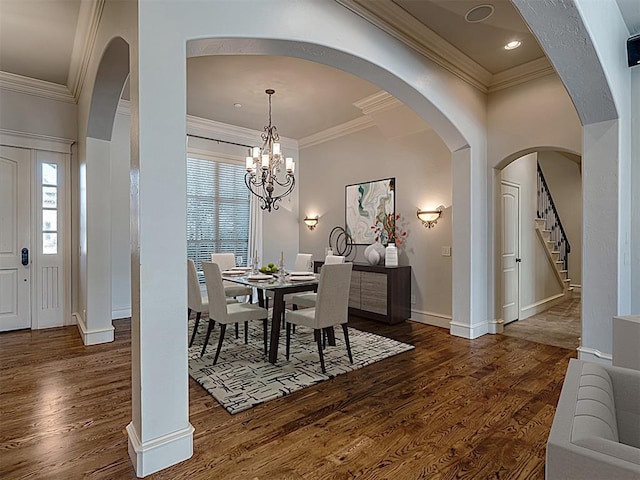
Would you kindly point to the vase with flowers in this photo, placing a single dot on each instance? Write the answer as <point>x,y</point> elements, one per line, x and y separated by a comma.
<point>389,233</point>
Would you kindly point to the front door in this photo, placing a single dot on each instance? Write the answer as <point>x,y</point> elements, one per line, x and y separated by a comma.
<point>510,251</point>
<point>15,236</point>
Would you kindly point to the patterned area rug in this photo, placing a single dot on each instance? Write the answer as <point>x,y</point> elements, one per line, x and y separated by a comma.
<point>243,378</point>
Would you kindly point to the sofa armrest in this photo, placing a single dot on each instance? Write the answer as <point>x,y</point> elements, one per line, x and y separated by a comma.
<point>626,392</point>
<point>568,461</point>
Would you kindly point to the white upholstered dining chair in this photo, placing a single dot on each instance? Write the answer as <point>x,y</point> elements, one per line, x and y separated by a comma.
<point>302,264</point>
<point>331,307</point>
<point>197,300</point>
<point>308,299</point>
<point>225,313</point>
<point>226,261</point>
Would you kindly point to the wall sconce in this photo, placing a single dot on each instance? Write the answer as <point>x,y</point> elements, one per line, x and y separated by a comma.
<point>429,217</point>
<point>311,222</point>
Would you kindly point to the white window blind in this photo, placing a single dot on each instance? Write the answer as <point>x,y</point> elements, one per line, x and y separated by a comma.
<point>217,210</point>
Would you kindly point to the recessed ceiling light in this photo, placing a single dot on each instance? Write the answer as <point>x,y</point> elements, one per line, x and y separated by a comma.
<point>237,105</point>
<point>512,45</point>
<point>479,13</point>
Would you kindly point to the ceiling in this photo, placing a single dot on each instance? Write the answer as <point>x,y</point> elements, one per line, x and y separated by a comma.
<point>44,40</point>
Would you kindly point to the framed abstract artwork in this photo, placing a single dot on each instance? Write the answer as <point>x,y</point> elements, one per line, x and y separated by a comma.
<point>364,202</point>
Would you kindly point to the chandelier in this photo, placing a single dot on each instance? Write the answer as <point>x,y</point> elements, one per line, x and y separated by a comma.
<point>265,164</point>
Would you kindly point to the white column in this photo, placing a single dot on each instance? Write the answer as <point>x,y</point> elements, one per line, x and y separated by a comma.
<point>95,323</point>
<point>600,232</point>
<point>160,434</point>
<point>470,285</point>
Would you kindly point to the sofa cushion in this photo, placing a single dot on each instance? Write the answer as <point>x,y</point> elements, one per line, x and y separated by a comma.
<point>595,408</point>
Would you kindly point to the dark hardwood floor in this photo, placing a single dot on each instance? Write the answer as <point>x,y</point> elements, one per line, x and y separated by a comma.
<point>451,408</point>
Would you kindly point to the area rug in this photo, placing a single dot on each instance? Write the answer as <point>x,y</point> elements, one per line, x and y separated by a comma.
<point>243,378</point>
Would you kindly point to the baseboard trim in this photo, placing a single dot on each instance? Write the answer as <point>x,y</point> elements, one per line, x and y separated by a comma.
<point>542,305</point>
<point>594,355</point>
<point>469,331</point>
<point>159,453</point>
<point>93,337</point>
<point>496,326</point>
<point>120,312</point>
<point>431,318</point>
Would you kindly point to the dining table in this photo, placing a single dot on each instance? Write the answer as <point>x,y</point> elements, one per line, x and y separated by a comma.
<point>280,285</point>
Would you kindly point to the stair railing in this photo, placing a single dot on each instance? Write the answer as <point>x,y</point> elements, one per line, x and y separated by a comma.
<point>547,211</point>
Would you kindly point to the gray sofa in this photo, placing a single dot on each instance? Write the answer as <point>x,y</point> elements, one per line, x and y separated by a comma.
<point>596,427</point>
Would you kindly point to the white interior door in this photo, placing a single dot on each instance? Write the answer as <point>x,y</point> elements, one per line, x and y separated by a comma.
<point>510,251</point>
<point>15,235</point>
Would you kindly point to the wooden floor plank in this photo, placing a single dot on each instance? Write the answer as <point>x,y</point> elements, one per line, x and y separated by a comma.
<point>451,408</point>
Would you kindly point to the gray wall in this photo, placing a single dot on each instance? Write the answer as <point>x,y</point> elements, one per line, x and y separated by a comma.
<point>421,164</point>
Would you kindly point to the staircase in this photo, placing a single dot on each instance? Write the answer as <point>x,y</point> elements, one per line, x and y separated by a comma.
<point>552,235</point>
<point>554,257</point>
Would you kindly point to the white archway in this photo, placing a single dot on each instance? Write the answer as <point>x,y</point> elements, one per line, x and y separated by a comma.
<point>319,31</point>
<point>583,41</point>
<point>95,203</point>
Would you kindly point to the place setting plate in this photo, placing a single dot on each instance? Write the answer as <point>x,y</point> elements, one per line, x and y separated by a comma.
<point>233,273</point>
<point>307,277</point>
<point>259,277</point>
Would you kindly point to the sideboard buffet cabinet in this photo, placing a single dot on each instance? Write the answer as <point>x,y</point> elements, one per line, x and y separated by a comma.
<point>378,292</point>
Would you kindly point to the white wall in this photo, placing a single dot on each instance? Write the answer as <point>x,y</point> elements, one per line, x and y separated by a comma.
<point>635,190</point>
<point>537,278</point>
<point>535,114</point>
<point>120,218</point>
<point>21,112</point>
<point>565,183</point>
<point>421,164</point>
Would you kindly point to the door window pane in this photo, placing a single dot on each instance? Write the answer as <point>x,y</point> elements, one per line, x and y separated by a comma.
<point>50,197</point>
<point>50,243</point>
<point>50,220</point>
<point>49,174</point>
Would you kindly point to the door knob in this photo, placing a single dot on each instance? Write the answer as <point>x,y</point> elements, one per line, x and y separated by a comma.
<point>518,260</point>
<point>25,256</point>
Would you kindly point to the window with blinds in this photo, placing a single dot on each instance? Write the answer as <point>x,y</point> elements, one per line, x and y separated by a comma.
<point>217,211</point>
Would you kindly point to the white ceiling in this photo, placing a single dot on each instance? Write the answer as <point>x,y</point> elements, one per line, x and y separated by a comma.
<point>40,39</point>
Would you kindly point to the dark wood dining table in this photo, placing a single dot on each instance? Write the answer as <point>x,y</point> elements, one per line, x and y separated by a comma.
<point>280,286</point>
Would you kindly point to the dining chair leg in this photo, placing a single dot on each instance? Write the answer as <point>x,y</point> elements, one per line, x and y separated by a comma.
<point>264,335</point>
<point>346,340</point>
<point>246,332</point>
<point>195,328</point>
<point>236,330</point>
<point>212,324</point>
<point>223,328</point>
<point>288,339</point>
<point>188,314</point>
<point>319,337</point>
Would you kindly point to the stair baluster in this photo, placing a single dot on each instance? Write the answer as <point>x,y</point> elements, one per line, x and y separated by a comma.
<point>547,211</point>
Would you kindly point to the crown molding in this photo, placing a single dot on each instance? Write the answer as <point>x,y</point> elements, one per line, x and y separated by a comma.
<point>88,21</point>
<point>252,137</point>
<point>33,86</point>
<point>205,127</point>
<point>521,74</point>
<point>378,102</point>
<point>347,128</point>
<point>392,19</point>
